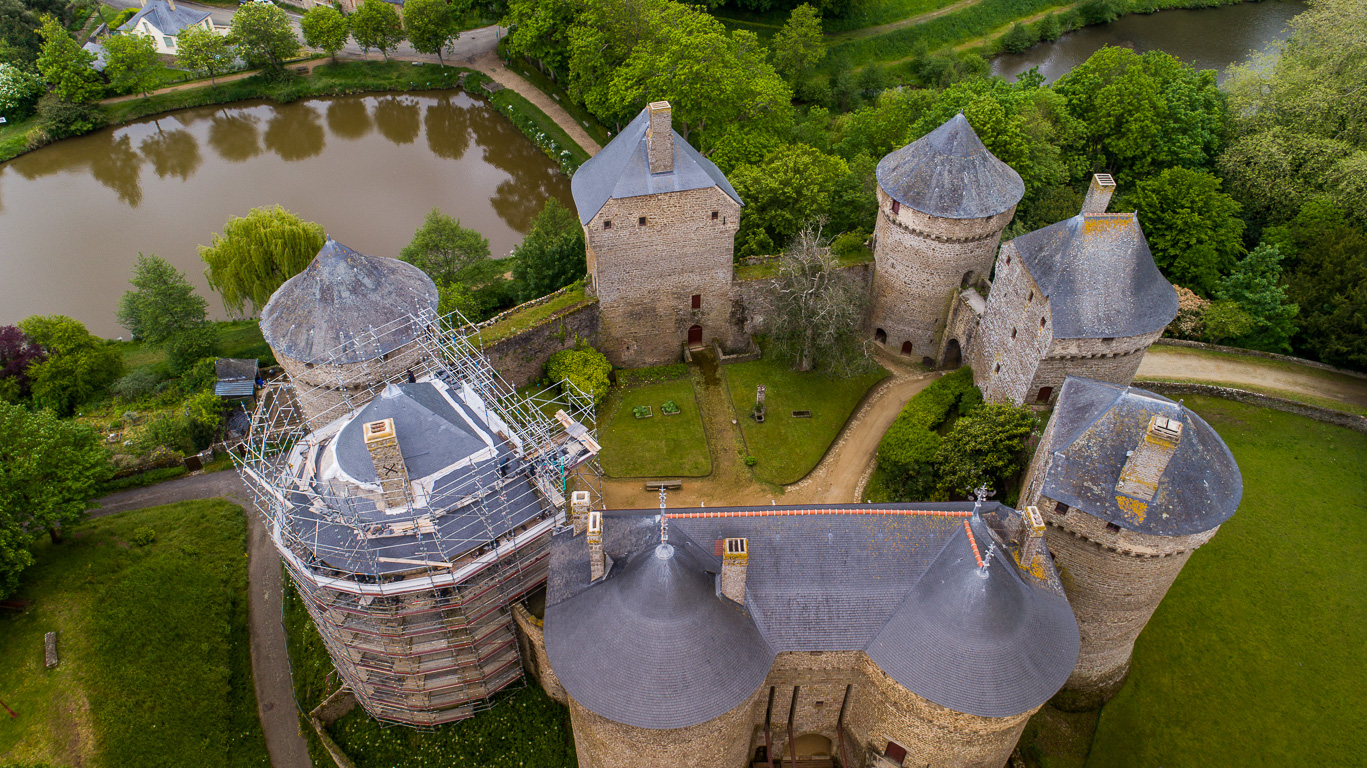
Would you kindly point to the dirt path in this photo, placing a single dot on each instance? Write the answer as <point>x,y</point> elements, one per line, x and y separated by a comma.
<point>1164,364</point>
<point>490,64</point>
<point>221,79</point>
<point>893,26</point>
<point>270,662</point>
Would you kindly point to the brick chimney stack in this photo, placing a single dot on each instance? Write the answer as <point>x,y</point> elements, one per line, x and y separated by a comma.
<point>660,137</point>
<point>579,511</point>
<point>735,557</point>
<point>383,444</point>
<point>1099,194</point>
<point>1147,462</point>
<point>597,558</point>
<point>1032,546</point>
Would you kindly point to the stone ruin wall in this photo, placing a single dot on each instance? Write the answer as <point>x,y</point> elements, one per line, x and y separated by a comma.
<point>722,742</point>
<point>645,276</point>
<point>531,640</point>
<point>921,262</point>
<point>1111,360</point>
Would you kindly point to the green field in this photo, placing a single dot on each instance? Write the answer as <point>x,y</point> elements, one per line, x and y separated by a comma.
<point>787,448</point>
<point>1255,658</point>
<point>155,661</point>
<point>659,446</point>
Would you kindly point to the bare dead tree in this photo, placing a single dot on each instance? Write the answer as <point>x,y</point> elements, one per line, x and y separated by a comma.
<point>818,309</point>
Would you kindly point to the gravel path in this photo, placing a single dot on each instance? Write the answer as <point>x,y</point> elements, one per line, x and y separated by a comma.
<point>1163,363</point>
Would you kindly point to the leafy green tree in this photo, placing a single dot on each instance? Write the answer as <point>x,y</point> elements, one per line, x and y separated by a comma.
<point>586,368</point>
<point>66,67</point>
<point>19,92</point>
<point>551,256</point>
<point>1193,228</point>
<point>906,453</point>
<point>79,366</point>
<point>883,126</point>
<point>257,253</point>
<point>376,25</point>
<point>1256,286</point>
<point>165,311</point>
<point>204,53</point>
<point>457,297</point>
<point>540,31</point>
<point>1019,39</point>
<point>1049,28</point>
<point>983,448</point>
<point>1224,321</point>
<point>19,38</point>
<point>263,36</point>
<point>799,46</point>
<point>444,249</point>
<point>792,188</point>
<point>326,29</point>
<point>17,354</point>
<point>131,62</point>
<point>433,25</point>
<point>818,310</point>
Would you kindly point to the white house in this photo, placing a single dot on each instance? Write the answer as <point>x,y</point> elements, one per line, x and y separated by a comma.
<point>162,21</point>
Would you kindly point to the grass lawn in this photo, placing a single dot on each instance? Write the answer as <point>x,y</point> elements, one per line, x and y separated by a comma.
<point>659,446</point>
<point>1256,655</point>
<point>236,338</point>
<point>788,448</point>
<point>523,319</point>
<point>155,660</point>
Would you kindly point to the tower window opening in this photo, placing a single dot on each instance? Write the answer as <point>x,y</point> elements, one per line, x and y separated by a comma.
<point>1013,333</point>
<point>1060,508</point>
<point>607,224</point>
<point>641,222</point>
<point>998,368</point>
<point>1008,260</point>
<point>896,206</point>
<point>1030,298</point>
<point>1112,527</point>
<point>1041,322</point>
<point>697,301</point>
<point>714,215</point>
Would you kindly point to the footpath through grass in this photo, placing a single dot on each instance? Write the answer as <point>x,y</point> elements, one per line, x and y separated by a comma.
<point>658,446</point>
<point>155,656</point>
<point>1255,657</point>
<point>787,447</point>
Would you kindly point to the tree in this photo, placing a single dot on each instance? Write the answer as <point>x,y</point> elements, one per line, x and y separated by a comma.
<point>204,53</point>
<point>376,25</point>
<point>164,311</point>
<point>799,46</point>
<point>817,310</point>
<point>551,256</point>
<point>584,367</point>
<point>1256,286</point>
<point>432,25</point>
<point>456,297</point>
<point>1019,38</point>
<point>79,366</point>
<point>326,29</point>
<point>66,67</point>
<point>443,248</point>
<point>983,448</point>
<point>19,92</point>
<point>263,36</point>
<point>131,62</point>
<point>19,38</point>
<point>1193,228</point>
<point>785,193</point>
<point>257,253</point>
<point>17,354</point>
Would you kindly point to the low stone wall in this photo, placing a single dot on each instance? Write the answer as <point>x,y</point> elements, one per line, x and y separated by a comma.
<point>520,358</point>
<point>1327,415</point>
<point>1256,353</point>
<point>531,639</point>
<point>332,709</point>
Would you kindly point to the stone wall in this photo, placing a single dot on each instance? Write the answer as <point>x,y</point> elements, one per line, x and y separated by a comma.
<point>531,640</point>
<point>645,275</point>
<point>521,358</point>
<point>961,329</point>
<point>1112,360</point>
<point>1326,415</point>
<point>328,392</point>
<point>821,679</point>
<point>722,742</point>
<point>922,262</point>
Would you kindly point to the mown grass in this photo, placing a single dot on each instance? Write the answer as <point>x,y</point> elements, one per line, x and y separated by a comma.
<point>787,448</point>
<point>524,319</point>
<point>1255,655</point>
<point>155,656</point>
<point>236,338</point>
<point>658,446</point>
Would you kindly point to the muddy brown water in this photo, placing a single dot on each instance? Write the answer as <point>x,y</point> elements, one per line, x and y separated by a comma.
<point>75,215</point>
<point>1208,38</point>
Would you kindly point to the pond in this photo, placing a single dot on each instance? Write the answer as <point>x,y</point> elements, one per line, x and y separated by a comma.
<point>75,215</point>
<point>1208,38</point>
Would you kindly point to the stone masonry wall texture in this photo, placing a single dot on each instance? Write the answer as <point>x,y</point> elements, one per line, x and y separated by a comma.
<point>721,742</point>
<point>521,358</point>
<point>645,275</point>
<point>327,392</point>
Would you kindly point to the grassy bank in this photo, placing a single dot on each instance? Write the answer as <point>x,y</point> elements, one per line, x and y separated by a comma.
<point>660,445</point>
<point>155,660</point>
<point>520,320</point>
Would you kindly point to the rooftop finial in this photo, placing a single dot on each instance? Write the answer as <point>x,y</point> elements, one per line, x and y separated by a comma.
<point>987,559</point>
<point>980,495</point>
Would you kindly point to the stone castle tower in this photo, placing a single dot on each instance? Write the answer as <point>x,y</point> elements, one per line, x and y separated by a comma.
<point>943,201</point>
<point>346,325</point>
<point>1129,484</point>
<point>660,222</point>
<point>1081,297</point>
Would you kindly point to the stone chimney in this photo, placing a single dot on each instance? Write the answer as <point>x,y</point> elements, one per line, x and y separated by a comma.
<point>660,137</point>
<point>1032,544</point>
<point>171,4</point>
<point>735,557</point>
<point>1099,194</point>
<point>598,564</point>
<point>579,511</point>
<point>1146,463</point>
<point>383,444</point>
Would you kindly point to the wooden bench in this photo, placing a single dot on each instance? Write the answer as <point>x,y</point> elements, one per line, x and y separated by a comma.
<point>667,485</point>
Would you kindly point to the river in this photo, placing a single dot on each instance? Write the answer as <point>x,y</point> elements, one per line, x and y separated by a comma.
<point>75,215</point>
<point>1208,38</point>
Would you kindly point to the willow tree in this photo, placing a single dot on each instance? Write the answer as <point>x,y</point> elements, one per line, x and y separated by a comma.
<point>256,254</point>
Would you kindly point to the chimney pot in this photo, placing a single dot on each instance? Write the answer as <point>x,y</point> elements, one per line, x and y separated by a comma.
<point>660,137</point>
<point>1032,544</point>
<point>735,557</point>
<point>1099,194</point>
<point>597,558</point>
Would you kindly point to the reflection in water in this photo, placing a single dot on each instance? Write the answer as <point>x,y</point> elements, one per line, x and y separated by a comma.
<point>349,119</point>
<point>295,133</point>
<point>173,153</point>
<point>448,129</point>
<point>397,117</point>
<point>234,137</point>
<point>521,198</point>
<point>119,168</point>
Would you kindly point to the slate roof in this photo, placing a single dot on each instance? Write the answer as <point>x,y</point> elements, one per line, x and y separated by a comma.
<point>432,435</point>
<point>1100,277</point>
<point>949,173</point>
<point>821,582</point>
<point>622,169</point>
<point>159,14</point>
<point>326,313</point>
<point>1095,424</point>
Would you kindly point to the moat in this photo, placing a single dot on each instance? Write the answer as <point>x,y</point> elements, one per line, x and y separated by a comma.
<point>75,215</point>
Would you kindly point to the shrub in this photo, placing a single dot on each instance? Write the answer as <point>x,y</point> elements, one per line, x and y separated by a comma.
<point>143,535</point>
<point>907,451</point>
<point>1099,11</point>
<point>1018,39</point>
<point>984,448</point>
<point>168,431</point>
<point>640,411</point>
<point>670,407</point>
<point>586,368</point>
<point>751,461</point>
<point>60,119</point>
<point>19,92</point>
<point>1189,323</point>
<point>850,245</point>
<point>139,383</point>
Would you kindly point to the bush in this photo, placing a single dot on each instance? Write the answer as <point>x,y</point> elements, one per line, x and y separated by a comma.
<point>140,383</point>
<point>170,431</point>
<point>984,448</point>
<point>19,92</point>
<point>751,461</point>
<point>1018,39</point>
<point>670,407</point>
<point>143,535</point>
<point>850,245</point>
<point>60,119</point>
<point>1099,11</point>
<point>907,451</point>
<point>585,368</point>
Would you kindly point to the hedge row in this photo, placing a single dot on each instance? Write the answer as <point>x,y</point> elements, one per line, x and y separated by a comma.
<point>907,451</point>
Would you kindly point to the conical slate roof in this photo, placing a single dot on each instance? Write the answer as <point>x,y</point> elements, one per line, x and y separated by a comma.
<point>326,313</point>
<point>978,640</point>
<point>950,174</point>
<point>432,435</point>
<point>1095,427</point>
<point>1100,277</point>
<point>654,646</point>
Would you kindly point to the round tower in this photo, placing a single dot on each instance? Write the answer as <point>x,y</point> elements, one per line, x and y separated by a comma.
<point>943,201</point>
<point>347,324</point>
<point>1130,484</point>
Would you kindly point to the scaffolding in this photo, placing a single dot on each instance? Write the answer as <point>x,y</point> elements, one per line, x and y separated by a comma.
<point>411,582</point>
